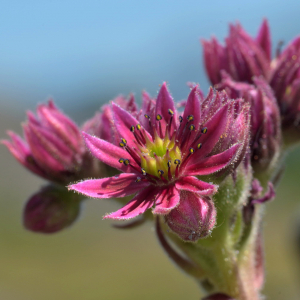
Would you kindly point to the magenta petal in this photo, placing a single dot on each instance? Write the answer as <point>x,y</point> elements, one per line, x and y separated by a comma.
<point>215,127</point>
<point>123,122</point>
<point>163,104</point>
<point>108,153</point>
<point>264,38</point>
<point>192,108</point>
<point>166,200</point>
<point>138,205</point>
<point>192,184</point>
<point>213,163</point>
<point>118,186</point>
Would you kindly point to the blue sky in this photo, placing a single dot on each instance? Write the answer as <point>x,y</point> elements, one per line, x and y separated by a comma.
<point>86,52</point>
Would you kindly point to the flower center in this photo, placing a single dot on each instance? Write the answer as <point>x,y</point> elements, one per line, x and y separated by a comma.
<point>160,156</point>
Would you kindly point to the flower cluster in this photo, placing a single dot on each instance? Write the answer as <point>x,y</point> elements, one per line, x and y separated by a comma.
<point>204,172</point>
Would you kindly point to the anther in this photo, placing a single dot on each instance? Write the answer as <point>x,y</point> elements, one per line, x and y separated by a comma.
<point>132,128</point>
<point>147,116</point>
<point>192,127</point>
<point>170,111</point>
<point>160,172</point>
<point>158,117</point>
<point>190,118</point>
<point>191,150</point>
<point>121,160</point>
<point>199,146</point>
<point>122,144</point>
<point>124,141</point>
<point>180,119</point>
<point>204,130</point>
<point>169,163</point>
<point>143,172</point>
<point>138,127</point>
<point>177,161</point>
<point>138,179</point>
<point>126,162</point>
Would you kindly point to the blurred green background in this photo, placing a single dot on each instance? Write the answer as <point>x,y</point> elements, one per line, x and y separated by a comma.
<point>84,54</point>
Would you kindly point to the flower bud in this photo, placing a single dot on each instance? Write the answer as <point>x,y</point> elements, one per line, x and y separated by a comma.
<point>265,119</point>
<point>285,81</point>
<point>193,218</point>
<point>242,56</point>
<point>52,209</point>
<point>53,147</point>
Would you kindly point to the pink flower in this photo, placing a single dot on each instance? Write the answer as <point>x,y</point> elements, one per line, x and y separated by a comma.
<point>242,56</point>
<point>53,147</point>
<point>160,154</point>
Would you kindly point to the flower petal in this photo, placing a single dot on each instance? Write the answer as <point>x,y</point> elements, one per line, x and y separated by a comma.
<point>192,184</point>
<point>138,205</point>
<point>166,200</point>
<point>213,163</point>
<point>192,108</point>
<point>118,186</point>
<point>108,153</point>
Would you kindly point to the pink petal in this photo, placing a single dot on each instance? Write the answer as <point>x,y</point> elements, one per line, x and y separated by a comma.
<point>192,184</point>
<point>108,153</point>
<point>123,122</point>
<point>118,186</point>
<point>166,200</point>
<point>213,163</point>
<point>163,104</point>
<point>192,108</point>
<point>264,38</point>
<point>138,205</point>
<point>215,127</point>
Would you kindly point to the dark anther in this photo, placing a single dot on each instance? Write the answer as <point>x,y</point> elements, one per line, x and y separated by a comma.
<point>161,172</point>
<point>138,179</point>
<point>199,146</point>
<point>180,119</point>
<point>158,117</point>
<point>132,128</point>
<point>124,141</point>
<point>177,161</point>
<point>204,130</point>
<point>122,144</point>
<point>138,127</point>
<point>147,116</point>
<point>169,163</point>
<point>192,150</point>
<point>121,160</point>
<point>190,118</point>
<point>192,127</point>
<point>170,111</point>
<point>126,162</point>
<point>143,172</point>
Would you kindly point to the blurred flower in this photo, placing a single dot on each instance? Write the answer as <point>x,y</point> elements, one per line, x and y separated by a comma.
<point>285,81</point>
<point>265,118</point>
<point>242,56</point>
<point>53,147</point>
<point>160,154</point>
<point>52,209</point>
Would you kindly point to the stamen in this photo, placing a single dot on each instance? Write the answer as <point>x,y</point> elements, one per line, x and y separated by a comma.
<point>191,150</point>
<point>121,160</point>
<point>133,154</point>
<point>161,173</point>
<point>126,162</point>
<point>147,116</point>
<point>143,172</point>
<point>204,130</point>
<point>138,127</point>
<point>169,169</point>
<point>199,146</point>
<point>132,128</point>
<point>190,118</point>
<point>138,179</point>
<point>122,144</point>
<point>170,111</point>
<point>177,162</point>
<point>180,119</point>
<point>169,163</point>
<point>158,117</point>
<point>192,127</point>
<point>124,141</point>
